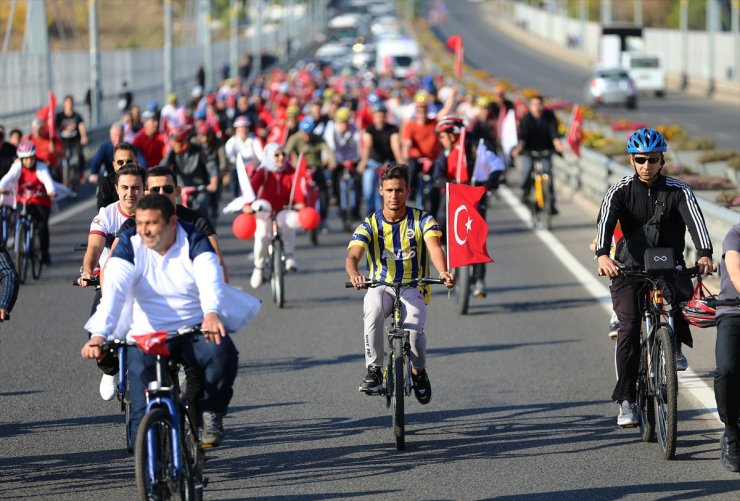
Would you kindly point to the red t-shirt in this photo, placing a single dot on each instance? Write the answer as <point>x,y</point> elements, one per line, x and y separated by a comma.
<point>152,148</point>
<point>28,183</point>
<point>275,187</point>
<point>424,141</point>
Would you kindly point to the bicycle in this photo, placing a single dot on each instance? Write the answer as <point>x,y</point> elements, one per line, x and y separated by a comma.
<point>461,291</point>
<point>71,167</point>
<point>168,457</point>
<point>657,380</point>
<point>541,201</point>
<point>349,200</point>
<point>397,383</point>
<point>27,244</point>
<point>276,265</point>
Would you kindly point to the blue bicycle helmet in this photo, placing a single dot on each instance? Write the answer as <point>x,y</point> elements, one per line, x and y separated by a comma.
<point>307,125</point>
<point>646,141</point>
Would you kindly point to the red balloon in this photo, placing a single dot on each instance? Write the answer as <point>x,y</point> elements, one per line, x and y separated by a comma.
<point>244,226</point>
<point>454,43</point>
<point>309,218</point>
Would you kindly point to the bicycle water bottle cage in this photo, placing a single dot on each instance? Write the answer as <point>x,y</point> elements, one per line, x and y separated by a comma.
<point>659,260</point>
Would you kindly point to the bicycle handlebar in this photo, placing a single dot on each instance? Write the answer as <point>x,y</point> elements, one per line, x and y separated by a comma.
<point>91,282</point>
<point>714,302</point>
<point>639,273</point>
<point>112,344</point>
<point>375,283</point>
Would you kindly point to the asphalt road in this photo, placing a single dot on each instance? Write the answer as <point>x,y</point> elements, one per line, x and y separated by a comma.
<point>520,407</point>
<point>489,48</point>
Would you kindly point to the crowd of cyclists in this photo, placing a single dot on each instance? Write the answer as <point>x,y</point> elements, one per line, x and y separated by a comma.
<point>415,135</point>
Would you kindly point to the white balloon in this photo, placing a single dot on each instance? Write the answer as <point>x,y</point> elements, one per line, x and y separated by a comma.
<point>291,219</point>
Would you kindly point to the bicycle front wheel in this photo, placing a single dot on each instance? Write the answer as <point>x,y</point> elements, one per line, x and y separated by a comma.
<point>546,199</point>
<point>21,257</point>
<point>34,251</point>
<point>153,458</point>
<point>645,404</point>
<point>398,394</point>
<point>278,273</point>
<point>462,290</point>
<point>666,391</point>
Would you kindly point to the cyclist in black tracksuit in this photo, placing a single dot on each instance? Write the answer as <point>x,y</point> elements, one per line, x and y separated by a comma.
<point>632,202</point>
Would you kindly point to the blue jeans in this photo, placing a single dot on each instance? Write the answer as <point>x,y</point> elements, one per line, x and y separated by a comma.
<point>215,365</point>
<point>370,187</point>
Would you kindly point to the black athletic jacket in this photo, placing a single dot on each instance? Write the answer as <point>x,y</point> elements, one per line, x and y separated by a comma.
<point>632,202</point>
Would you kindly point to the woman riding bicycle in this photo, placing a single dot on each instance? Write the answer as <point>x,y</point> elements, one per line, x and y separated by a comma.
<point>272,183</point>
<point>31,180</point>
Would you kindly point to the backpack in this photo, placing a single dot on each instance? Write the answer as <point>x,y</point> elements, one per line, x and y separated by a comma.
<point>631,253</point>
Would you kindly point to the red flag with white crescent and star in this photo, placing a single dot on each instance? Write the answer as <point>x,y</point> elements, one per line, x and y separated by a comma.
<point>467,230</point>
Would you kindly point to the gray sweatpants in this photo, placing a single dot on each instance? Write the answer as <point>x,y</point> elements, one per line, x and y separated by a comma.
<point>378,306</point>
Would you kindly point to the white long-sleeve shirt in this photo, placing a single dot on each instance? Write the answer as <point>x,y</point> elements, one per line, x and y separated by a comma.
<point>10,180</point>
<point>250,149</point>
<point>164,292</point>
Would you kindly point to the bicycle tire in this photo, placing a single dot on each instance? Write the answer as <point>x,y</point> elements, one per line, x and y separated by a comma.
<point>21,258</point>
<point>159,424</point>
<point>127,413</point>
<point>34,251</point>
<point>645,404</point>
<point>546,209</point>
<point>462,290</point>
<point>277,280</point>
<point>194,456</point>
<point>666,392</point>
<point>398,394</point>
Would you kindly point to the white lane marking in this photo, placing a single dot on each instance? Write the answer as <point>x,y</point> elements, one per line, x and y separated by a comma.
<point>688,379</point>
<point>72,211</point>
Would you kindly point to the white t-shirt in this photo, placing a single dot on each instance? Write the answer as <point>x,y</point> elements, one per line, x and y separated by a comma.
<point>106,224</point>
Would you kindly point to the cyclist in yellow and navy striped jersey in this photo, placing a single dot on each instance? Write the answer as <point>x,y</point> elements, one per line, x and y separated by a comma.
<point>399,242</point>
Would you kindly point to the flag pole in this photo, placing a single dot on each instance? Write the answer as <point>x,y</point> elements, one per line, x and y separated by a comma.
<point>295,181</point>
<point>447,232</point>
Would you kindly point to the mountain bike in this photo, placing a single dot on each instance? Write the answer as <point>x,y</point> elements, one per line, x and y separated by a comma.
<point>541,202</point>
<point>657,380</point>
<point>397,383</point>
<point>27,244</point>
<point>276,265</point>
<point>168,457</point>
<point>71,171</point>
<point>349,199</point>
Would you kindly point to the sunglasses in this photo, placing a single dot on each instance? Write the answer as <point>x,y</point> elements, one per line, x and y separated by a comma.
<point>167,188</point>
<point>652,160</point>
<point>279,154</point>
<point>120,162</point>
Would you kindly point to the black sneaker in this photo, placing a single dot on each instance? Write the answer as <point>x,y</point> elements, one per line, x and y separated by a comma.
<point>730,457</point>
<point>422,387</point>
<point>373,381</point>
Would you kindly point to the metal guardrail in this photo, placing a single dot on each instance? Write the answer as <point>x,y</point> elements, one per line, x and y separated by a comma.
<point>594,173</point>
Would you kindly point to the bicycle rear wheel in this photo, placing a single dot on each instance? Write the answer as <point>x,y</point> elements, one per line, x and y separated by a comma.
<point>645,404</point>
<point>194,455</point>
<point>37,263</point>
<point>666,391</point>
<point>398,394</point>
<point>153,461</point>
<point>21,257</point>
<point>277,280</point>
<point>462,290</point>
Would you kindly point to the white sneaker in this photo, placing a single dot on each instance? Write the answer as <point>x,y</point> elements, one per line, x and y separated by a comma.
<point>479,290</point>
<point>257,278</point>
<point>681,363</point>
<point>108,387</point>
<point>627,416</point>
<point>290,264</point>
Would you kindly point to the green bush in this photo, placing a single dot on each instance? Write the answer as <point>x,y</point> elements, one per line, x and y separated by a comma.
<point>734,163</point>
<point>613,149</point>
<point>717,156</point>
<point>729,198</point>
<point>696,143</point>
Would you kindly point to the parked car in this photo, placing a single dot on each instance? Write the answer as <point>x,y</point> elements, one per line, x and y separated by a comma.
<point>611,86</point>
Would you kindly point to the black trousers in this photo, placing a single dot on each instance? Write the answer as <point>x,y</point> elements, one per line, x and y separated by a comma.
<point>626,304</point>
<point>727,377</point>
<point>40,216</point>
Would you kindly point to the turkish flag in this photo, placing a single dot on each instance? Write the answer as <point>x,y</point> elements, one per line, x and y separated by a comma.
<point>278,134</point>
<point>47,114</point>
<point>467,230</point>
<point>456,44</point>
<point>154,343</point>
<point>575,131</point>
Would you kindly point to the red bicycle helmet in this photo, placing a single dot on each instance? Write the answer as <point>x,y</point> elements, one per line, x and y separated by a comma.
<point>696,311</point>
<point>449,123</point>
<point>180,134</point>
<point>26,149</point>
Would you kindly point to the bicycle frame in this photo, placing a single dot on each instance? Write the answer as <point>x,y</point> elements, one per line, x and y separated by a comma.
<point>655,316</point>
